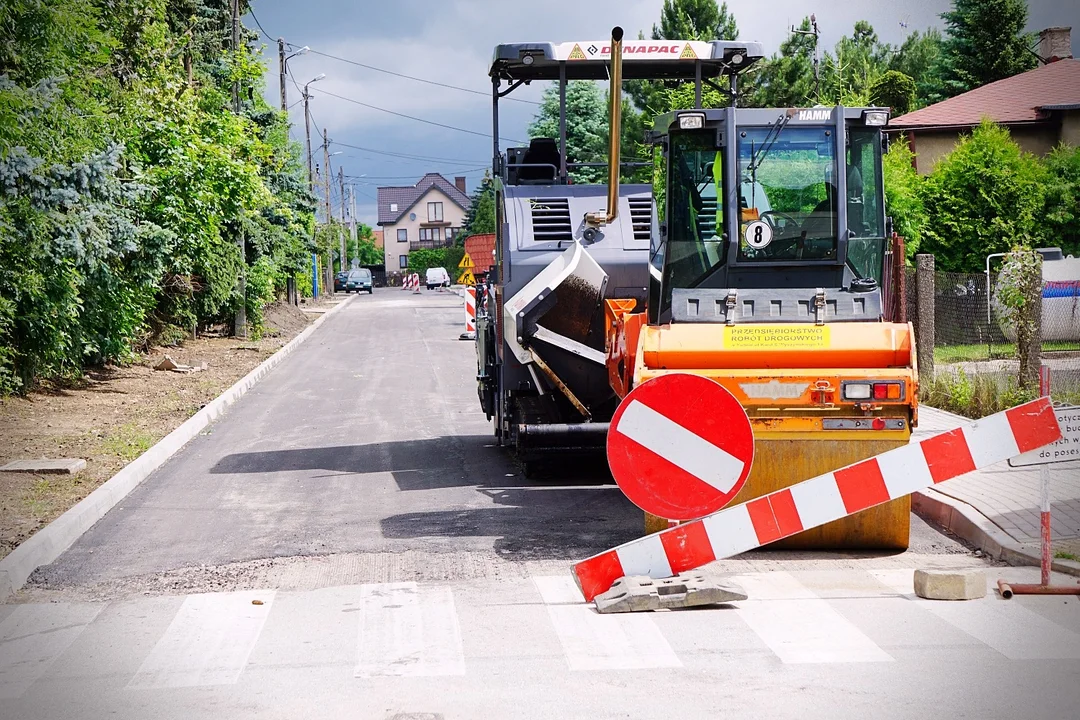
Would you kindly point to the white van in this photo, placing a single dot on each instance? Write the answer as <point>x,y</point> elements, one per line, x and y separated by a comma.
<point>437,277</point>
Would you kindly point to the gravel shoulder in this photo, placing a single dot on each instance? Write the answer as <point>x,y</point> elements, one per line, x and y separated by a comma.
<point>115,413</point>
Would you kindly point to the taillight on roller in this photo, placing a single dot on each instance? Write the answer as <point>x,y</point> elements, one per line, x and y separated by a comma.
<point>873,391</point>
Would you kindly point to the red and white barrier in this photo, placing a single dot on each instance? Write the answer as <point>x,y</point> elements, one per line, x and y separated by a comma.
<point>825,498</point>
<point>416,283</point>
<point>470,314</point>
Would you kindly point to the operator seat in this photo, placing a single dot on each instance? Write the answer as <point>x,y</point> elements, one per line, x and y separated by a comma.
<point>535,170</point>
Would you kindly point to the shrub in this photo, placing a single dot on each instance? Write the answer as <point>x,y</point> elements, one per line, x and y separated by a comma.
<point>903,195</point>
<point>894,90</point>
<point>1062,215</point>
<point>985,197</point>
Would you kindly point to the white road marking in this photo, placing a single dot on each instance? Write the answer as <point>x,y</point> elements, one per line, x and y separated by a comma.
<point>602,642</point>
<point>408,632</point>
<point>1005,625</point>
<point>680,446</point>
<point>208,642</point>
<point>33,636</point>
<point>799,626</point>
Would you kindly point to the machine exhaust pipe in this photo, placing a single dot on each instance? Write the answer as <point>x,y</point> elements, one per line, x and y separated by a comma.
<point>615,141</point>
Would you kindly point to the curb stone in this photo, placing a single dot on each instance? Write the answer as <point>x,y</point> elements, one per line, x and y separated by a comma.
<point>966,522</point>
<point>47,544</point>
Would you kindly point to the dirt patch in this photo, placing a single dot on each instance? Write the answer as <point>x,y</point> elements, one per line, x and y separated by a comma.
<point>115,413</point>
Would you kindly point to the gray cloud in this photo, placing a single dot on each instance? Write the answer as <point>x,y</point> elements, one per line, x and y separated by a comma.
<point>450,41</point>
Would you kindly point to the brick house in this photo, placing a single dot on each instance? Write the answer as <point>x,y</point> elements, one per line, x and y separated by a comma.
<point>426,215</point>
<point>1041,108</point>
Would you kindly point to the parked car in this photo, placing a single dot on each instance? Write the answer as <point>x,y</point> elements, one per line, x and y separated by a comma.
<point>339,280</point>
<point>359,280</point>
<point>437,277</point>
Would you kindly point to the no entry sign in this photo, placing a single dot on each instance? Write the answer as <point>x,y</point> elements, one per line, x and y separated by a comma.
<point>680,446</point>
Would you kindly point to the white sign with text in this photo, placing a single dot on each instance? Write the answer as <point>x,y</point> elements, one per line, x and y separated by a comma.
<point>1064,450</point>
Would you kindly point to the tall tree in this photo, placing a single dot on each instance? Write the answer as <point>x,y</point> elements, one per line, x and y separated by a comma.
<point>848,73</point>
<point>682,20</point>
<point>480,215</point>
<point>919,57</point>
<point>586,126</point>
<point>787,78</point>
<point>985,41</point>
<point>695,20</point>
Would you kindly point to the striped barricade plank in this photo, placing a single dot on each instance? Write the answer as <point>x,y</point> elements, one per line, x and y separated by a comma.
<point>825,498</point>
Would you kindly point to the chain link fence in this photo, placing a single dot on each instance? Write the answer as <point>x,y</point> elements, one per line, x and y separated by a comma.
<point>973,347</point>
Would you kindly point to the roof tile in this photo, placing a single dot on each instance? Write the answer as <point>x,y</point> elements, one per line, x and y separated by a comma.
<point>406,197</point>
<point>1014,99</point>
<point>481,250</point>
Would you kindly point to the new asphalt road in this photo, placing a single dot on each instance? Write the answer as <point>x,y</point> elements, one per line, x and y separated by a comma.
<point>347,542</point>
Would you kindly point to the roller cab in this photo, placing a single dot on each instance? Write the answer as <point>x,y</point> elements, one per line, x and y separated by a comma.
<point>766,277</point>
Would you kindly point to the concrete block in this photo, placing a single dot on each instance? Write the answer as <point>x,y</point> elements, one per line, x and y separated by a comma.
<point>58,466</point>
<point>950,584</point>
<point>639,593</point>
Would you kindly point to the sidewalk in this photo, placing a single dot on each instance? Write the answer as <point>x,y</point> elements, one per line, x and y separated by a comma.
<point>997,508</point>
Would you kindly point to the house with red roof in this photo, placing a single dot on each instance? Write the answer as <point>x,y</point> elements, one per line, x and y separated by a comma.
<point>426,215</point>
<point>1041,108</point>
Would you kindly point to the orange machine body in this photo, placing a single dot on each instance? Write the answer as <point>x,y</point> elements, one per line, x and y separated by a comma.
<point>790,378</point>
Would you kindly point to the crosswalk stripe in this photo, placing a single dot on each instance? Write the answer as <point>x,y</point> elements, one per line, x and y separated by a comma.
<point>408,631</point>
<point>601,642</point>
<point>798,626</point>
<point>1005,625</point>
<point>208,642</point>
<point>33,636</point>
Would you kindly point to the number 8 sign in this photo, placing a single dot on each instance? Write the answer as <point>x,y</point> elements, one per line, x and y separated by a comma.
<point>758,234</point>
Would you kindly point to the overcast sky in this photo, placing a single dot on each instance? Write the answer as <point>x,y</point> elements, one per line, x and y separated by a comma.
<point>451,41</point>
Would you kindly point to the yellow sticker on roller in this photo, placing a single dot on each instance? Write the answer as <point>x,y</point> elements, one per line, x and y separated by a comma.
<point>776,337</point>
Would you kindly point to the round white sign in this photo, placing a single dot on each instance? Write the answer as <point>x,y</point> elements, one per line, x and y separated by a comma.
<point>758,234</point>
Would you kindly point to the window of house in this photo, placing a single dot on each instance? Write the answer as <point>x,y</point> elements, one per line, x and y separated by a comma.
<point>434,212</point>
<point>403,235</point>
<point>426,234</point>
<point>451,233</point>
<point>393,207</point>
<point>403,261</point>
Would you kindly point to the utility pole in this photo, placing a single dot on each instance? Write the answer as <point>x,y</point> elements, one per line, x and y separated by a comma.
<point>815,33</point>
<point>281,74</point>
<point>240,320</point>
<point>329,215</point>
<point>352,219</point>
<point>341,230</point>
<point>290,282</point>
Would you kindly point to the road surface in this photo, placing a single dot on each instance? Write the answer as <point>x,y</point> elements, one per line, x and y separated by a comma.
<point>347,542</point>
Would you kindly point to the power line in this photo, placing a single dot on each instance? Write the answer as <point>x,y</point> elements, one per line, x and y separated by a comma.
<point>411,77</point>
<point>406,156</point>
<point>466,171</point>
<point>384,70</point>
<point>412,117</point>
<point>252,14</point>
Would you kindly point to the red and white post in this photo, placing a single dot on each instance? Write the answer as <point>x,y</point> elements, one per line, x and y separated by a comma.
<point>470,315</point>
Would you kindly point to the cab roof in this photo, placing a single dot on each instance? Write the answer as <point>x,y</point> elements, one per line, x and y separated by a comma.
<point>642,59</point>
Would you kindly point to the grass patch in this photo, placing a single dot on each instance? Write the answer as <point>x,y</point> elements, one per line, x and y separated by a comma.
<point>126,442</point>
<point>1062,555</point>
<point>973,396</point>
<point>946,354</point>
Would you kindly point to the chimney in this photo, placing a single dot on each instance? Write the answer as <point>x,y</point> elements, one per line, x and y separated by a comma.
<point>459,182</point>
<point>1055,44</point>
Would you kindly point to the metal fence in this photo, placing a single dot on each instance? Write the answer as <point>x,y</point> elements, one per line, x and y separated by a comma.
<point>970,336</point>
